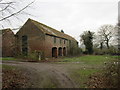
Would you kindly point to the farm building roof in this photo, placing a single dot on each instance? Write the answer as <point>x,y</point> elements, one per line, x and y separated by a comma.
<point>48,30</point>
<point>2,31</point>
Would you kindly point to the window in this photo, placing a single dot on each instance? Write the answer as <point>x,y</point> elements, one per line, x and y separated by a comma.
<point>64,41</point>
<point>69,42</point>
<point>60,40</point>
<point>54,39</point>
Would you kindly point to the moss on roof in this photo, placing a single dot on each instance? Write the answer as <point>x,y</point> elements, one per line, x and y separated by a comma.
<point>48,30</point>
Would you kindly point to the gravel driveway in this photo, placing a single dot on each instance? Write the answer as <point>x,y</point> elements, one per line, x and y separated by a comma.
<point>45,75</point>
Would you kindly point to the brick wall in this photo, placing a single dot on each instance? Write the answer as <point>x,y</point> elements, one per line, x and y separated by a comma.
<point>35,38</point>
<point>8,43</point>
<point>50,43</point>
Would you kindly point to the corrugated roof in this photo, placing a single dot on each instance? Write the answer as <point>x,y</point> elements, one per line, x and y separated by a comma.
<point>48,30</point>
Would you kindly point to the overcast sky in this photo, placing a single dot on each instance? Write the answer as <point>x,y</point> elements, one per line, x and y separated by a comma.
<point>73,16</point>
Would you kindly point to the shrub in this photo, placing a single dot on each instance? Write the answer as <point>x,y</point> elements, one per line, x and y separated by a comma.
<point>111,51</point>
<point>109,77</point>
<point>36,55</point>
<point>112,74</point>
<point>75,51</point>
<point>33,56</point>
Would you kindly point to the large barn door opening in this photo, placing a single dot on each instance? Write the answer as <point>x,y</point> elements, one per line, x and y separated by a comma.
<point>24,45</point>
<point>54,52</point>
<point>60,51</point>
<point>64,51</point>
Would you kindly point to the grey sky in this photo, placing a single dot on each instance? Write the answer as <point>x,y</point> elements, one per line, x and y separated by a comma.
<point>73,16</point>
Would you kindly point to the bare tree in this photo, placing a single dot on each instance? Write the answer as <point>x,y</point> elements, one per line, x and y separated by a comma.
<point>98,41</point>
<point>10,9</point>
<point>106,33</point>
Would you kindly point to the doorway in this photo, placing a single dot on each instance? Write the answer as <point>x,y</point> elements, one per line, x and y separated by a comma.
<point>60,51</point>
<point>54,52</point>
<point>64,51</point>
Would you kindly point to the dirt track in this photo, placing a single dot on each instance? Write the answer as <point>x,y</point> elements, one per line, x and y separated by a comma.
<point>46,75</point>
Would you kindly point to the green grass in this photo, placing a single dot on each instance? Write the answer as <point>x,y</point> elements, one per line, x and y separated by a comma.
<point>89,59</point>
<point>115,57</point>
<point>88,65</point>
<point>8,58</point>
<point>81,76</point>
<point>8,67</point>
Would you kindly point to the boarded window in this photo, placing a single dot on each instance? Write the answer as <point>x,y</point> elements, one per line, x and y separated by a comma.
<point>24,45</point>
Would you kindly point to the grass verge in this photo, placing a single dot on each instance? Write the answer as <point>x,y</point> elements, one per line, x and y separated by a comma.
<point>81,76</point>
<point>92,64</point>
<point>8,67</point>
<point>89,59</point>
<point>8,58</point>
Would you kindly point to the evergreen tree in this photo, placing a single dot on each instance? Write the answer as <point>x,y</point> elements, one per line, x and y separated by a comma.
<point>87,38</point>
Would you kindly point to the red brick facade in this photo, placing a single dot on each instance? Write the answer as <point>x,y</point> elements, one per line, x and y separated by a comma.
<point>8,43</point>
<point>40,37</point>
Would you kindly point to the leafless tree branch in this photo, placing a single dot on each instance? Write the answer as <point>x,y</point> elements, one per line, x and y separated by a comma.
<point>7,3</point>
<point>13,14</point>
<point>106,31</point>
